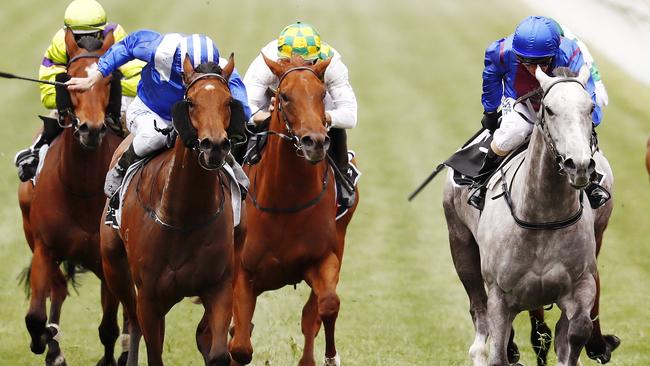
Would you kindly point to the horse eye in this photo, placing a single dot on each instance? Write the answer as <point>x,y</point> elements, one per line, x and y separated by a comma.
<point>548,110</point>
<point>284,97</point>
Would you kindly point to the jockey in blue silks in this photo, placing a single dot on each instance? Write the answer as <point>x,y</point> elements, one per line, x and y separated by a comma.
<point>160,87</point>
<point>509,74</point>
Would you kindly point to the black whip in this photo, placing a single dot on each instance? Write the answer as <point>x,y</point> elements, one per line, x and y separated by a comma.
<point>7,75</point>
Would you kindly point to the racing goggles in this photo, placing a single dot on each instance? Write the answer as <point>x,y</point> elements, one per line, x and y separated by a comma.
<point>540,61</point>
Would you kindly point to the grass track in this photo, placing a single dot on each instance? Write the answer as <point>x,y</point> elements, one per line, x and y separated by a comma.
<point>415,66</point>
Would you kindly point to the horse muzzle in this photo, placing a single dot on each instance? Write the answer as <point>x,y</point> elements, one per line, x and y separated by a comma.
<point>315,146</point>
<point>213,153</point>
<point>579,171</point>
<point>91,137</point>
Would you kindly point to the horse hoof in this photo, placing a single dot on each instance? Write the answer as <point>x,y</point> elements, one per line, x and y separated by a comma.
<point>513,353</point>
<point>104,362</point>
<point>605,355</point>
<point>59,360</point>
<point>121,361</point>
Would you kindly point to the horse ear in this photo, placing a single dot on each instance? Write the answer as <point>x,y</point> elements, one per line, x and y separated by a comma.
<point>71,46</point>
<point>542,77</point>
<point>230,66</point>
<point>188,70</point>
<point>583,75</point>
<point>320,67</point>
<point>274,66</point>
<point>109,40</point>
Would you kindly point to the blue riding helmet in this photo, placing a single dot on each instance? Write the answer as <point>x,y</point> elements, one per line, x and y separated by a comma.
<point>536,37</point>
<point>199,48</point>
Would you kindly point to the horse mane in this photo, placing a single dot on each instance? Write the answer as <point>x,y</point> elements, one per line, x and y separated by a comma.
<point>295,60</point>
<point>564,71</point>
<point>208,68</point>
<point>90,43</point>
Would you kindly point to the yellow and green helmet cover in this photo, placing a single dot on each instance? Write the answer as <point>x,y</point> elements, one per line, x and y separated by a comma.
<point>304,40</point>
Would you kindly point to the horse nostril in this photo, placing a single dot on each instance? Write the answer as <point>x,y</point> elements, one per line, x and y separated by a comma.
<point>569,164</point>
<point>307,141</point>
<point>205,144</point>
<point>592,166</point>
<point>326,144</point>
<point>84,128</point>
<point>226,145</point>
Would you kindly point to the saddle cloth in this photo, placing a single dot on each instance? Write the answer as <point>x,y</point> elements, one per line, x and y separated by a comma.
<point>115,218</point>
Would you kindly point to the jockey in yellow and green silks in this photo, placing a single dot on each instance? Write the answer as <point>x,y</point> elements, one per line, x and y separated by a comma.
<point>85,18</point>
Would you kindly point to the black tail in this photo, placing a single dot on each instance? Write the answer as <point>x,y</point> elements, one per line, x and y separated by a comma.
<point>70,272</point>
<point>24,278</point>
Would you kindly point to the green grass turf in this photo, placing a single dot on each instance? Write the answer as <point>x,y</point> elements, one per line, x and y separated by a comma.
<point>415,66</point>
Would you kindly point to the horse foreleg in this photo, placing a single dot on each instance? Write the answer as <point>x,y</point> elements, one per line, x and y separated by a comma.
<point>323,279</point>
<point>311,323</point>
<point>540,336</point>
<point>240,346</point>
<point>218,307</point>
<point>118,280</point>
<point>58,293</point>
<point>108,328</point>
<point>467,261</point>
<point>40,275</point>
<point>500,319</point>
<point>151,324</point>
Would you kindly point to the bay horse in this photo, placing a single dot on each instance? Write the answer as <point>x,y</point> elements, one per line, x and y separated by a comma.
<point>61,213</point>
<point>176,233</point>
<point>537,244</point>
<point>291,208</point>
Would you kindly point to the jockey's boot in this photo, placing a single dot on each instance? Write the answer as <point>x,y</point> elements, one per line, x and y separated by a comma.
<point>115,176</point>
<point>339,152</point>
<point>242,178</point>
<point>597,195</point>
<point>491,162</point>
<point>256,141</point>
<point>26,160</point>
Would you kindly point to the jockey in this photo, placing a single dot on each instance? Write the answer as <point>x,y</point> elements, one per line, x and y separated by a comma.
<point>509,73</point>
<point>160,88</point>
<point>340,101</point>
<point>86,18</point>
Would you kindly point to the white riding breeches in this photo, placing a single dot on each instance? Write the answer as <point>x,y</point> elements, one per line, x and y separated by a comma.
<point>514,128</point>
<point>126,102</point>
<point>141,122</point>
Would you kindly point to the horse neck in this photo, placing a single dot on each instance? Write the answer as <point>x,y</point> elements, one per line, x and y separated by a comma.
<point>288,175</point>
<point>542,193</point>
<point>189,191</point>
<point>81,169</point>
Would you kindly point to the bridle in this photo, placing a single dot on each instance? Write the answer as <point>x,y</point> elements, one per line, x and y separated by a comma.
<point>559,159</point>
<point>293,139</point>
<point>290,136</point>
<point>541,124</point>
<point>69,111</point>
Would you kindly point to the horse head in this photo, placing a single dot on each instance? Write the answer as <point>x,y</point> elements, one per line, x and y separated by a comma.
<point>202,118</point>
<point>86,111</point>
<point>300,103</point>
<point>566,122</point>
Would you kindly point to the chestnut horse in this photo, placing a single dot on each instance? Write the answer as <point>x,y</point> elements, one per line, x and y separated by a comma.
<point>292,232</point>
<point>176,233</point>
<point>61,213</point>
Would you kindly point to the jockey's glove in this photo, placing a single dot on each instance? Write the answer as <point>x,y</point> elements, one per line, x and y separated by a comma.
<point>490,120</point>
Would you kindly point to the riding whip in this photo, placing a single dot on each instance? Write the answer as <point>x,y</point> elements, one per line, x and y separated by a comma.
<point>7,75</point>
<point>438,168</point>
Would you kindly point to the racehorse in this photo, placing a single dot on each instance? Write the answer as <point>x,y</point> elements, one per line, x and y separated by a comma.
<point>537,244</point>
<point>176,233</point>
<point>292,231</point>
<point>61,212</point>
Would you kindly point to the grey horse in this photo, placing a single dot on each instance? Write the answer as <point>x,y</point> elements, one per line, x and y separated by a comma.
<point>537,244</point>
